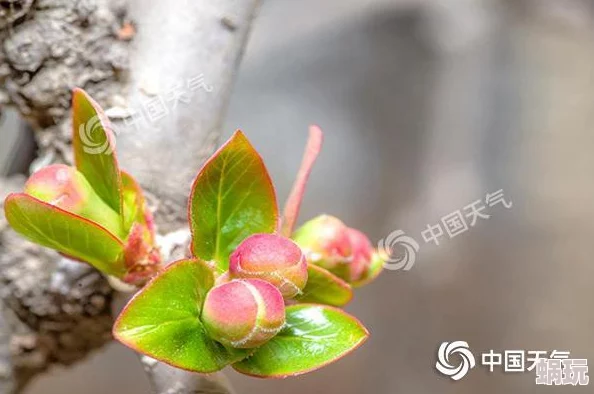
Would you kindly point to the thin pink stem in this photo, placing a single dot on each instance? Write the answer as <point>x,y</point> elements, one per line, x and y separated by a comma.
<point>312,150</point>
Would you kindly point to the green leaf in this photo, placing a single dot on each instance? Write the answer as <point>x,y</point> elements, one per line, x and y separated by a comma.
<point>232,198</point>
<point>313,336</point>
<point>93,144</point>
<point>65,232</point>
<point>163,320</point>
<point>135,209</point>
<point>323,287</point>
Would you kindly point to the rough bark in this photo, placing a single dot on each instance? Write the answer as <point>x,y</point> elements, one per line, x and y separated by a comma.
<point>52,46</point>
<point>54,310</point>
<point>6,372</point>
<point>168,380</point>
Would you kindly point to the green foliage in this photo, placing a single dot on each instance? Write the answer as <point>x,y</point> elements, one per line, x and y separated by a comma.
<point>163,320</point>
<point>99,215</point>
<point>325,288</point>
<point>232,198</point>
<point>96,207</point>
<point>97,162</point>
<point>314,336</point>
<point>67,233</point>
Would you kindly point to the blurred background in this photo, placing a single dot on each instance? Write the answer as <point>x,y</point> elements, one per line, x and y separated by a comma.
<point>427,106</point>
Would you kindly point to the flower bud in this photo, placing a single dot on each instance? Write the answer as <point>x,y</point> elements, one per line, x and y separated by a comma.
<point>272,258</point>
<point>61,186</point>
<point>325,241</point>
<point>243,313</point>
<point>141,257</point>
<point>373,270</point>
<point>68,189</point>
<point>362,254</point>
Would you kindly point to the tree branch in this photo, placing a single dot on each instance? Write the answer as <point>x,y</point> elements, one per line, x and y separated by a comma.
<point>193,52</point>
<point>59,310</point>
<point>169,380</point>
<point>165,156</point>
<point>51,46</point>
<point>7,380</point>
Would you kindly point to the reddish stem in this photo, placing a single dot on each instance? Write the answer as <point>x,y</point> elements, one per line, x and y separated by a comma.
<point>312,150</point>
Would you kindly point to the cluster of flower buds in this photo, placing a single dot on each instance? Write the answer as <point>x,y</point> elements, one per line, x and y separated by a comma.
<point>241,296</point>
<point>327,242</point>
<point>248,310</point>
<point>66,188</point>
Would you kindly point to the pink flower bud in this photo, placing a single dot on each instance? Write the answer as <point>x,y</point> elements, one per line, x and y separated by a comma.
<point>60,185</point>
<point>243,313</point>
<point>373,270</point>
<point>325,241</point>
<point>362,254</point>
<point>141,257</point>
<point>272,258</point>
<point>68,189</point>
